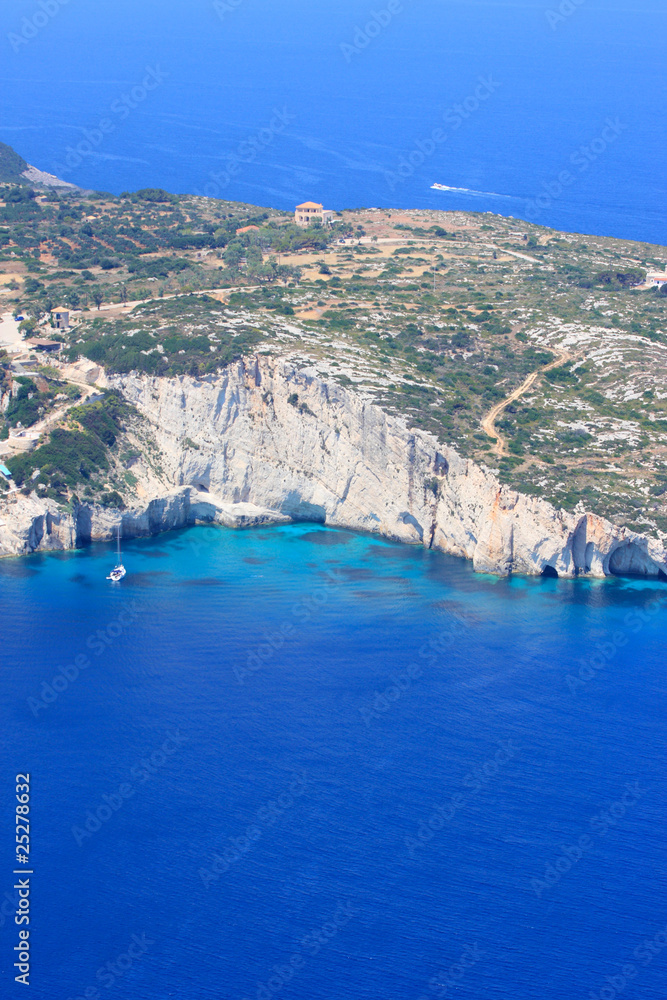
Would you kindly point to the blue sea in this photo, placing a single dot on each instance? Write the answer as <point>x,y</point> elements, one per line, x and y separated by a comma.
<point>550,110</point>
<point>303,763</point>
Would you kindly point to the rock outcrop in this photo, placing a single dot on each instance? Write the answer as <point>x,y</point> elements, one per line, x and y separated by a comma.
<point>30,524</point>
<point>265,434</point>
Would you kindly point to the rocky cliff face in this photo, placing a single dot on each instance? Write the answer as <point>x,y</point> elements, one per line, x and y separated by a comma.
<point>262,440</point>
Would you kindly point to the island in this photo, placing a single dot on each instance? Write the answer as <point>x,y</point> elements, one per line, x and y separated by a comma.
<point>462,381</point>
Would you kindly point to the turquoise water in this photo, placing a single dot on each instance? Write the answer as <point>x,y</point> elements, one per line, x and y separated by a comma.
<point>304,763</point>
<point>359,107</point>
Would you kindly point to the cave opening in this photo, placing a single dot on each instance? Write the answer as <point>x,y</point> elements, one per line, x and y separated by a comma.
<point>631,561</point>
<point>550,573</point>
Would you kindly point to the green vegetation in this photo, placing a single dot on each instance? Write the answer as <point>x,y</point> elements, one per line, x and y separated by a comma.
<point>30,403</point>
<point>76,454</point>
<point>188,335</point>
<point>620,279</point>
<point>11,165</point>
<point>437,317</point>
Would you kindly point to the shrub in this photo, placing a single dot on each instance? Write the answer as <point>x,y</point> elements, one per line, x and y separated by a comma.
<point>620,279</point>
<point>112,499</point>
<point>156,195</point>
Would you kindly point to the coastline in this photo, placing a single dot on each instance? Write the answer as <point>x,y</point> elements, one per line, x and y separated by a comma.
<point>236,452</point>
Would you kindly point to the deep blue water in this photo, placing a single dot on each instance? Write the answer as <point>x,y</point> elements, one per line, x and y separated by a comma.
<point>352,116</point>
<point>314,777</point>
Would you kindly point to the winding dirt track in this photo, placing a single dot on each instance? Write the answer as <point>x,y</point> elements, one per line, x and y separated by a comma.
<point>489,421</point>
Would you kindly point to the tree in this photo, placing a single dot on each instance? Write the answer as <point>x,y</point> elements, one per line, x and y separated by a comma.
<point>98,297</point>
<point>233,254</point>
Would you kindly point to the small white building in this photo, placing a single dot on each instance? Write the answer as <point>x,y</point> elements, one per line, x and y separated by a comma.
<point>60,318</point>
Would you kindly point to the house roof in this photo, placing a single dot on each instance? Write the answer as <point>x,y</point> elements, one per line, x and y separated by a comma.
<point>60,309</point>
<point>44,343</point>
<point>309,204</point>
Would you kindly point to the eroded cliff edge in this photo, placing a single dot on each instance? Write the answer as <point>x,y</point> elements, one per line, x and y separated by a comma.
<point>264,441</point>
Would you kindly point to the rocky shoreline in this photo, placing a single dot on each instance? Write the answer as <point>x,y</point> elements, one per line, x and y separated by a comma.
<point>264,442</point>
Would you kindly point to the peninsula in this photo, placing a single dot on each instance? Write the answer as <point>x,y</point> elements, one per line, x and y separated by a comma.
<point>462,381</point>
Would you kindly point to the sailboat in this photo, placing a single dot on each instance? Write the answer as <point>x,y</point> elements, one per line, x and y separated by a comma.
<point>119,571</point>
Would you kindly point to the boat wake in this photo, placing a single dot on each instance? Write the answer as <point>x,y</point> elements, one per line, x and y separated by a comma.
<point>478,194</point>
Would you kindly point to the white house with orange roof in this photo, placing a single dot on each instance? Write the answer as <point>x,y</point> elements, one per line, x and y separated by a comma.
<point>309,212</point>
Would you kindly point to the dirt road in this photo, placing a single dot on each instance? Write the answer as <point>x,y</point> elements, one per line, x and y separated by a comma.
<point>489,421</point>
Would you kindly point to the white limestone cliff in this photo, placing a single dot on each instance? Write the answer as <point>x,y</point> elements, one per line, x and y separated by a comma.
<point>262,440</point>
